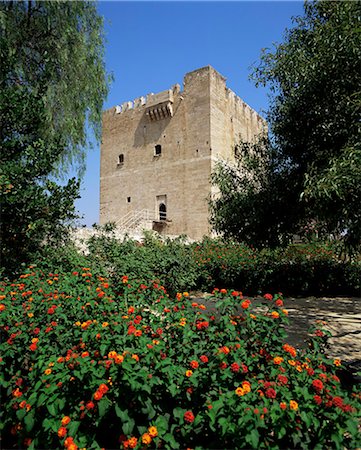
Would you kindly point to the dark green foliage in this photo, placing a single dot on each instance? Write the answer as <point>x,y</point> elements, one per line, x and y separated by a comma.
<point>52,82</point>
<point>302,269</point>
<point>312,164</point>
<point>170,263</point>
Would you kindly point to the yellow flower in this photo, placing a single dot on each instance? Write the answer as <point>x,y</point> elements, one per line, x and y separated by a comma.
<point>30,315</point>
<point>153,431</point>
<point>285,312</point>
<point>299,368</point>
<point>185,294</point>
<point>293,405</point>
<point>77,323</point>
<point>105,324</point>
<point>240,391</point>
<point>337,362</point>
<point>146,438</point>
<point>47,372</point>
<point>278,360</point>
<point>252,316</point>
<point>291,362</point>
<point>189,373</point>
<point>275,314</point>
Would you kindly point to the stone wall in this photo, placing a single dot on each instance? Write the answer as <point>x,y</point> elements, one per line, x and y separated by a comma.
<point>193,128</point>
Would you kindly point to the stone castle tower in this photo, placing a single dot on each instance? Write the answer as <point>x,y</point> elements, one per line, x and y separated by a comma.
<point>158,153</point>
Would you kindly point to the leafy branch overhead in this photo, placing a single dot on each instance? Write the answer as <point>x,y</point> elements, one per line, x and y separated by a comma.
<point>52,87</point>
<point>314,78</point>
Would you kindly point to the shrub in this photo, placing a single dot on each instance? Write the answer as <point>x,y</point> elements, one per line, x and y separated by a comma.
<point>90,363</point>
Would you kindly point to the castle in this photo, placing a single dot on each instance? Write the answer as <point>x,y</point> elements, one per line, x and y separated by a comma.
<point>158,152</point>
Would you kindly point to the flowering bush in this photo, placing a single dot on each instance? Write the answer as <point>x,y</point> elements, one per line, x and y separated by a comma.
<point>87,363</point>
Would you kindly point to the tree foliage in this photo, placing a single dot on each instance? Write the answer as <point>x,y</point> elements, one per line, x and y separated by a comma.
<point>314,154</point>
<point>52,85</point>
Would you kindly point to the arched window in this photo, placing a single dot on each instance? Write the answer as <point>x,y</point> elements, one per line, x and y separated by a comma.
<point>121,159</point>
<point>162,212</point>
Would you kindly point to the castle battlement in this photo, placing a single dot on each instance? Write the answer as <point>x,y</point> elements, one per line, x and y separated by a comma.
<point>159,150</point>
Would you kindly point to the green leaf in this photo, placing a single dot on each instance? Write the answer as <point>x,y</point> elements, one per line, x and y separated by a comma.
<point>52,410</point>
<point>128,426</point>
<point>103,406</point>
<point>123,415</point>
<point>29,421</point>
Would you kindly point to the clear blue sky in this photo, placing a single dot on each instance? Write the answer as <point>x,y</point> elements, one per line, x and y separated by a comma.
<point>151,45</point>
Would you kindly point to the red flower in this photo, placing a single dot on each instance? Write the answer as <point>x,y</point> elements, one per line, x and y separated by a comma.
<point>319,333</point>
<point>279,302</point>
<point>235,367</point>
<point>103,388</point>
<point>268,296</point>
<point>270,393</point>
<point>189,416</point>
<point>282,379</point>
<point>337,401</point>
<point>33,347</point>
<point>310,371</point>
<point>256,411</point>
<point>317,385</point>
<point>89,405</point>
<point>194,364</point>
<point>317,399</point>
<point>204,358</point>
<point>244,368</point>
<point>245,304</point>
<point>51,310</point>
<point>223,365</point>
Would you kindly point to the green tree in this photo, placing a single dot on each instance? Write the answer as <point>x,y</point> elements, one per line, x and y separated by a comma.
<point>52,86</point>
<point>313,163</point>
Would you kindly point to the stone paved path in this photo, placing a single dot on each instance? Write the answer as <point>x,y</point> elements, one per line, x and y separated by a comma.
<point>343,317</point>
<point>342,314</point>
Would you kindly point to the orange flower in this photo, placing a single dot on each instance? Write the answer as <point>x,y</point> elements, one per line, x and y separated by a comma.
<point>119,359</point>
<point>2,307</point>
<point>69,440</point>
<point>224,350</point>
<point>189,373</point>
<point>112,355</point>
<point>146,439</point>
<point>246,385</point>
<point>105,324</point>
<point>17,393</point>
<point>103,388</point>
<point>47,372</point>
<point>285,312</point>
<point>293,405</point>
<point>138,333</point>
<point>278,360</point>
<point>291,362</point>
<point>153,431</point>
<point>337,362</point>
<point>240,391</point>
<point>136,357</point>
<point>62,432</point>
<point>98,395</point>
<point>194,364</point>
<point>65,420</point>
<point>291,350</point>
<point>275,314</point>
<point>252,316</point>
<point>22,404</point>
<point>178,296</point>
<point>72,446</point>
<point>132,442</point>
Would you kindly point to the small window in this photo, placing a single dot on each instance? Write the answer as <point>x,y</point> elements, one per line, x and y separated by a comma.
<point>157,150</point>
<point>120,159</point>
<point>162,212</point>
<point>129,199</point>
